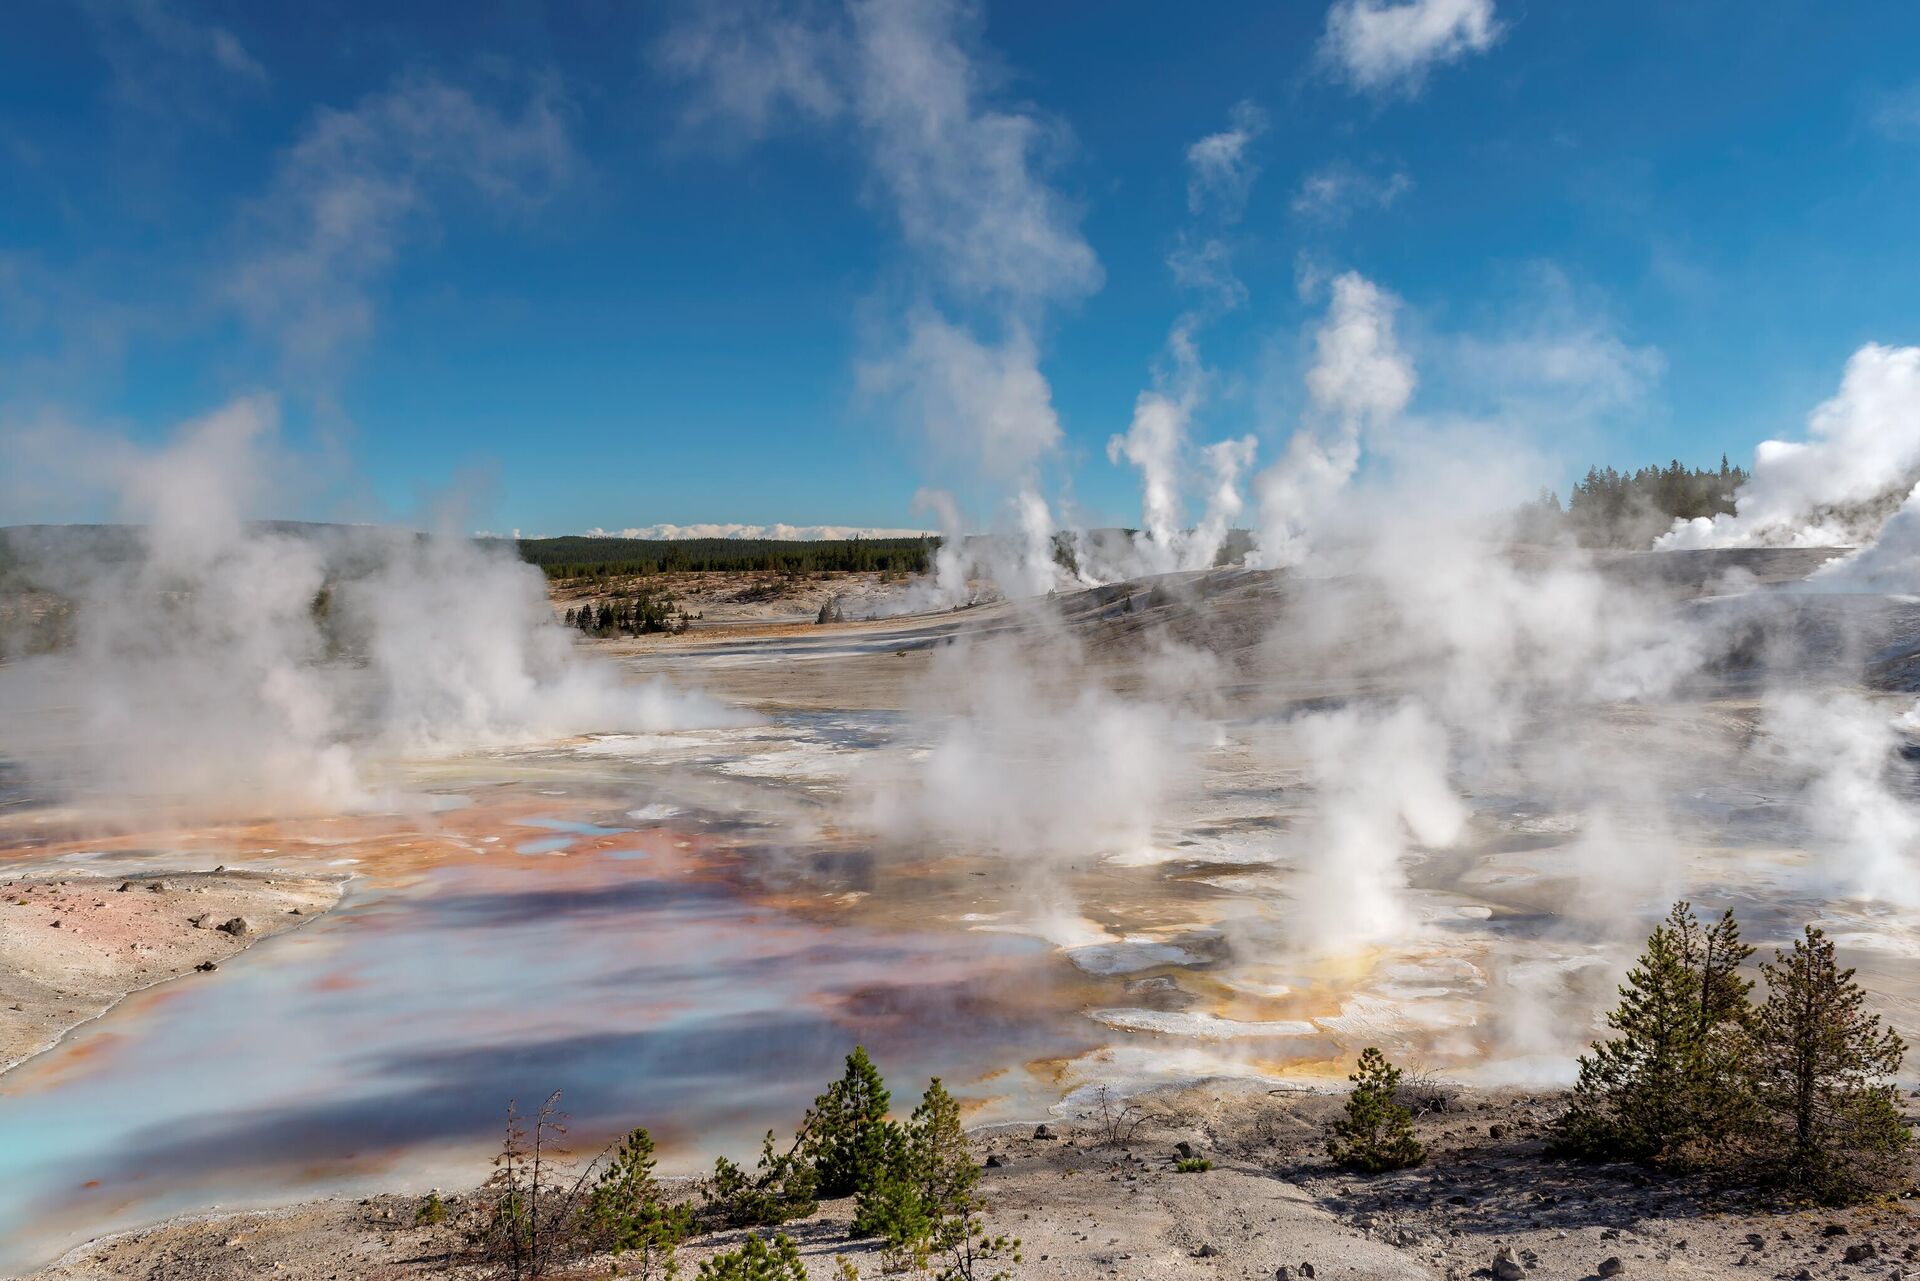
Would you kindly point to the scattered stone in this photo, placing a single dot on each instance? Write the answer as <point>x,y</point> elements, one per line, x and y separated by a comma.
<point>237,927</point>
<point>1610,1266</point>
<point>158,887</point>
<point>206,967</point>
<point>1506,1267</point>
<point>1184,1148</point>
<point>198,922</point>
<point>1496,1132</point>
<point>1834,1230</point>
<point>1306,1270</point>
<point>1042,1132</point>
<point>993,1161</point>
<point>1206,1251</point>
<point>125,886</point>
<point>1859,1253</point>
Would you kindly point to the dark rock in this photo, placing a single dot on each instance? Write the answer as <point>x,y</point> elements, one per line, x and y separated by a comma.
<point>1506,1267</point>
<point>1306,1270</point>
<point>237,927</point>
<point>1859,1253</point>
<point>198,922</point>
<point>1496,1132</point>
<point>1184,1148</point>
<point>1834,1230</point>
<point>1206,1251</point>
<point>1042,1132</point>
<point>125,886</point>
<point>1610,1266</point>
<point>206,967</point>
<point>993,1161</point>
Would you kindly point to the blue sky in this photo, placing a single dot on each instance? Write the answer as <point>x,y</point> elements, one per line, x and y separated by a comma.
<point>610,265</point>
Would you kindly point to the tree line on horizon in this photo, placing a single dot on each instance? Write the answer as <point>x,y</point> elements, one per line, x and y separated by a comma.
<point>583,556</point>
<point>1628,510</point>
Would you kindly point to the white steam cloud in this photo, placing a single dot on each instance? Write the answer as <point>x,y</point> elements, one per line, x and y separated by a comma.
<point>223,666</point>
<point>1860,460</point>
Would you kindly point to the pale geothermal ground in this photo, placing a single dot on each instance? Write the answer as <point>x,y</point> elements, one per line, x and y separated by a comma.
<point>688,930</point>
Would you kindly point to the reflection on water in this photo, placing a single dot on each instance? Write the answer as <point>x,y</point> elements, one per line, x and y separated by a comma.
<point>651,991</point>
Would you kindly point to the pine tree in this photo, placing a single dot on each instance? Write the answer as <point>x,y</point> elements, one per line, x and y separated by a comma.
<point>925,1177</point>
<point>1821,1068</point>
<point>1376,1133</point>
<point>943,1169</point>
<point>757,1260</point>
<point>1671,1087</point>
<point>627,1213</point>
<point>844,1134</point>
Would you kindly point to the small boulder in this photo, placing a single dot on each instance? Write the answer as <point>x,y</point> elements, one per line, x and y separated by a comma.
<point>1184,1148</point>
<point>1506,1267</point>
<point>993,1161</point>
<point>1496,1132</point>
<point>198,922</point>
<point>1206,1251</point>
<point>1859,1253</point>
<point>1610,1266</point>
<point>1834,1230</point>
<point>237,926</point>
<point>206,967</point>
<point>1042,1132</point>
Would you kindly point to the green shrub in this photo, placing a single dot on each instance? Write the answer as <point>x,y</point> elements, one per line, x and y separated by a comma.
<point>781,1188</point>
<point>432,1212</point>
<point>844,1135</point>
<point>626,1212</point>
<point>1376,1133</point>
<point>1829,1126</point>
<point>1673,1087</point>
<point>756,1260</point>
<point>1192,1165</point>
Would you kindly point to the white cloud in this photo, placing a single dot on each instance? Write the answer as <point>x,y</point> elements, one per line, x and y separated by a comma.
<point>1332,193</point>
<point>963,177</point>
<point>358,183</point>
<point>159,56</point>
<point>983,404</point>
<point>1219,170</point>
<point>782,533</point>
<point>1897,113</point>
<point>754,66</point>
<point>1381,46</point>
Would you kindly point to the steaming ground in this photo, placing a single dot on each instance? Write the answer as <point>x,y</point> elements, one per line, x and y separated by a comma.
<point>1220,825</point>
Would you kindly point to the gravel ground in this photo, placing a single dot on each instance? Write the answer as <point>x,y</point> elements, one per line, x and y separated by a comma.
<point>72,946</point>
<point>1086,1207</point>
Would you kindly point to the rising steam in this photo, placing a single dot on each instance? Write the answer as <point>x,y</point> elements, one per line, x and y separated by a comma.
<point>228,666</point>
